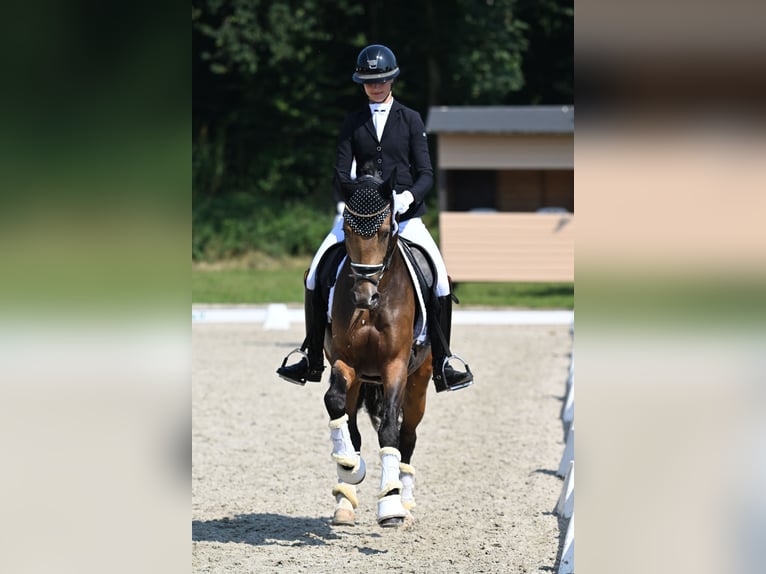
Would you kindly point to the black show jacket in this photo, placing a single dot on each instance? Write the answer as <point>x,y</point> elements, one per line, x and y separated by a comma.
<point>403,146</point>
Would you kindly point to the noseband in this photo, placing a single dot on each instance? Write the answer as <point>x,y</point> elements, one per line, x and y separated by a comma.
<point>365,212</point>
<point>361,272</point>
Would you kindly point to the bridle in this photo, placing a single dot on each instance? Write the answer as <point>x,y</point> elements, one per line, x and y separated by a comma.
<point>361,272</point>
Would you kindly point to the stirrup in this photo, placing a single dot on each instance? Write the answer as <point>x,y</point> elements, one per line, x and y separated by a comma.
<point>298,380</point>
<point>457,387</point>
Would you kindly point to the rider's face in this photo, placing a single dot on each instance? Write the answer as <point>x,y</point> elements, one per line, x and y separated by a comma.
<point>378,93</point>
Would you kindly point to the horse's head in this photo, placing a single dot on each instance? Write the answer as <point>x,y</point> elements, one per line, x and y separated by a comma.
<point>369,226</point>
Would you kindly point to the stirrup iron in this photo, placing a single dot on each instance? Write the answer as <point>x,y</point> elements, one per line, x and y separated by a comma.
<point>457,387</point>
<point>302,380</point>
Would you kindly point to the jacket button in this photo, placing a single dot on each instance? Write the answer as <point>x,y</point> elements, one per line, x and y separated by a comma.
<point>380,160</point>
<point>379,148</point>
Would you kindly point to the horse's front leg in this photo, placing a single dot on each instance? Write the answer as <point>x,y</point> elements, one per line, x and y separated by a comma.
<point>345,451</point>
<point>391,512</point>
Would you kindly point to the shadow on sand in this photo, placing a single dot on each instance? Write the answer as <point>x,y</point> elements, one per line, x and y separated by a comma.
<point>265,529</point>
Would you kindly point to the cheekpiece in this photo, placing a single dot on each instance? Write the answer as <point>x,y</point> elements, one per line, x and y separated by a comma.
<point>366,210</point>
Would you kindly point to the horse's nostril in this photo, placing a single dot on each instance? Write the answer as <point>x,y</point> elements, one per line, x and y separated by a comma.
<point>365,302</point>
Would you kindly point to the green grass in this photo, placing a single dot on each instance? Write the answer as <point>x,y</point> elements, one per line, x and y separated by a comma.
<point>528,295</point>
<point>247,286</point>
<point>284,284</point>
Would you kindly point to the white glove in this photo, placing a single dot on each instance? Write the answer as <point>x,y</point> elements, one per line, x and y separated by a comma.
<point>402,201</point>
<point>340,206</point>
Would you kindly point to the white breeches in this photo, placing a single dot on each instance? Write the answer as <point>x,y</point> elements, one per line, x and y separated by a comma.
<point>412,229</point>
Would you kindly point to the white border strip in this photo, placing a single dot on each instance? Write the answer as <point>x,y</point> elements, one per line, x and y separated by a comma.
<point>459,317</point>
<point>512,317</point>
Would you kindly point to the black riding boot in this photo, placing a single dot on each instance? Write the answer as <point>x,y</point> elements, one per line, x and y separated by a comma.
<point>439,328</point>
<point>311,365</point>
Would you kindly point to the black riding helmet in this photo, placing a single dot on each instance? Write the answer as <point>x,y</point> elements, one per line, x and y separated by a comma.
<point>374,65</point>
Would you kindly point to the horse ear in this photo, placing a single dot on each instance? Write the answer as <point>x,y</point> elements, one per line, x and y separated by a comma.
<point>367,169</point>
<point>344,185</point>
<point>387,189</point>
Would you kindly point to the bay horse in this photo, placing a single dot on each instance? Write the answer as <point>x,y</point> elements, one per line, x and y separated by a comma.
<point>374,363</point>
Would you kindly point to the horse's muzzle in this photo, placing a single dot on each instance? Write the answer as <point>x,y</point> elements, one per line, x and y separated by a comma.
<point>365,296</point>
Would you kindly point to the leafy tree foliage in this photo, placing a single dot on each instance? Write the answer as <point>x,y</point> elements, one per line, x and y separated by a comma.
<point>272,83</point>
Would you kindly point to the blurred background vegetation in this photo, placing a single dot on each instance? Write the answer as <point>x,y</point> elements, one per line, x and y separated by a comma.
<point>272,83</point>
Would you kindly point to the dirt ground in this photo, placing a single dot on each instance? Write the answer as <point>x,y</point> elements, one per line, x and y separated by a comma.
<point>485,461</point>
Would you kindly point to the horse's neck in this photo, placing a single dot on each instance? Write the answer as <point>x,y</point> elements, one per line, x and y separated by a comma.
<point>395,266</point>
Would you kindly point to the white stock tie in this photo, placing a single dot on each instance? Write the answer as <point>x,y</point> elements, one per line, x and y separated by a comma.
<point>379,121</point>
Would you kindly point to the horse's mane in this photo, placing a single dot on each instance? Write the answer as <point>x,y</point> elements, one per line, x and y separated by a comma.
<point>368,171</point>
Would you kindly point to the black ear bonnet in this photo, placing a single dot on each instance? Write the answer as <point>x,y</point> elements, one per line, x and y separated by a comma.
<point>367,208</point>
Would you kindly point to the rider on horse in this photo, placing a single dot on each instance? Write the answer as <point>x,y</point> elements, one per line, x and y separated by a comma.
<point>388,136</point>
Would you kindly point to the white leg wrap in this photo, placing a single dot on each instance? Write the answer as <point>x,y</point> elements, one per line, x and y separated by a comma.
<point>389,476</point>
<point>391,507</point>
<point>351,467</point>
<point>345,496</point>
<point>342,448</point>
<point>407,477</point>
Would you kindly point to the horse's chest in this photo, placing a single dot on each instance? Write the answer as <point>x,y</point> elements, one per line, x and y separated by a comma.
<point>365,335</point>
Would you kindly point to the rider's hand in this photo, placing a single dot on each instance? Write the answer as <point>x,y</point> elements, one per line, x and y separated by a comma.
<point>402,201</point>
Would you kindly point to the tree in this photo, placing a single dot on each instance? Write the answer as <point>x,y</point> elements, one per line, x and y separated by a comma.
<point>272,82</point>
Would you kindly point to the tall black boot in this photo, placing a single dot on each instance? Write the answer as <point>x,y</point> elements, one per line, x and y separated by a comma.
<point>439,328</point>
<point>311,365</point>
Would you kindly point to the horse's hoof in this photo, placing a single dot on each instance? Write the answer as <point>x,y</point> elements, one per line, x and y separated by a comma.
<point>409,521</point>
<point>343,517</point>
<point>393,522</point>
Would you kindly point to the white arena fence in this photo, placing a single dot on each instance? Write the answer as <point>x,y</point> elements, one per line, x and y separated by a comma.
<point>566,470</point>
<point>280,316</point>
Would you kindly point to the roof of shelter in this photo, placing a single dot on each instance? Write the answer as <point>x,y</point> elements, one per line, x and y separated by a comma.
<point>501,119</point>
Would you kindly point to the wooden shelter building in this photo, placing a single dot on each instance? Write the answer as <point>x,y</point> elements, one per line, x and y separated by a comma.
<point>505,178</point>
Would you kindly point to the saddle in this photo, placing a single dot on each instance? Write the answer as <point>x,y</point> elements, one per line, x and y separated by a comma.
<point>421,268</point>
<point>327,271</point>
<point>422,265</point>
